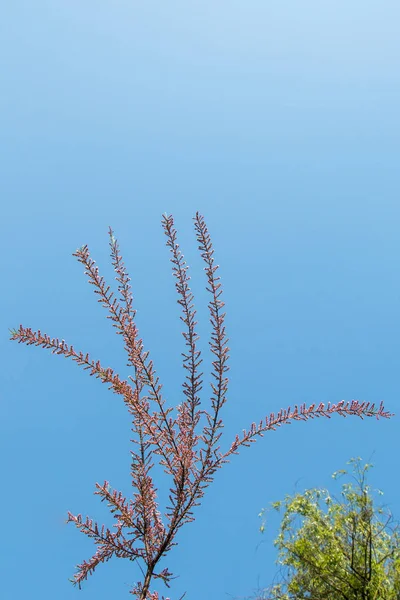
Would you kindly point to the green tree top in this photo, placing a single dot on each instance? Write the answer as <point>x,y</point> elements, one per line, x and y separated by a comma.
<point>337,550</point>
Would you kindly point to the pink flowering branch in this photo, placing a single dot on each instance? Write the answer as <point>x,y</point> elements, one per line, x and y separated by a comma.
<point>189,452</point>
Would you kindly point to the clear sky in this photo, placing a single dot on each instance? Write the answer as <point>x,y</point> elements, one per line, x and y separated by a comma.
<point>277,120</point>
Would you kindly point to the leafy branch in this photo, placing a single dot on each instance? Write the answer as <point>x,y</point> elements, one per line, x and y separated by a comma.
<point>190,454</point>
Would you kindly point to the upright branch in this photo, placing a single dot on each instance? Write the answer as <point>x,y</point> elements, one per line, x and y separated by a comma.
<point>188,411</point>
<point>218,344</point>
<point>187,450</point>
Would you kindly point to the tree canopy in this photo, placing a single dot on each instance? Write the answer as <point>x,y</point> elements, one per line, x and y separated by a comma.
<point>329,549</point>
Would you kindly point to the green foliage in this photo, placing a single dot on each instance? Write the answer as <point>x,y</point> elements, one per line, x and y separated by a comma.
<point>337,550</point>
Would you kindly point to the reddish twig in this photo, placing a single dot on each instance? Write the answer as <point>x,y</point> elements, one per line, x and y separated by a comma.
<point>189,454</point>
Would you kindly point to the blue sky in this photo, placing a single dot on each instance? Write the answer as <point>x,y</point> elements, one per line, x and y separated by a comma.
<point>279,122</point>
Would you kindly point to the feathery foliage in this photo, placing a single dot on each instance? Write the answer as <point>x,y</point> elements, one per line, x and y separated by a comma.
<point>189,452</point>
<point>344,549</point>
